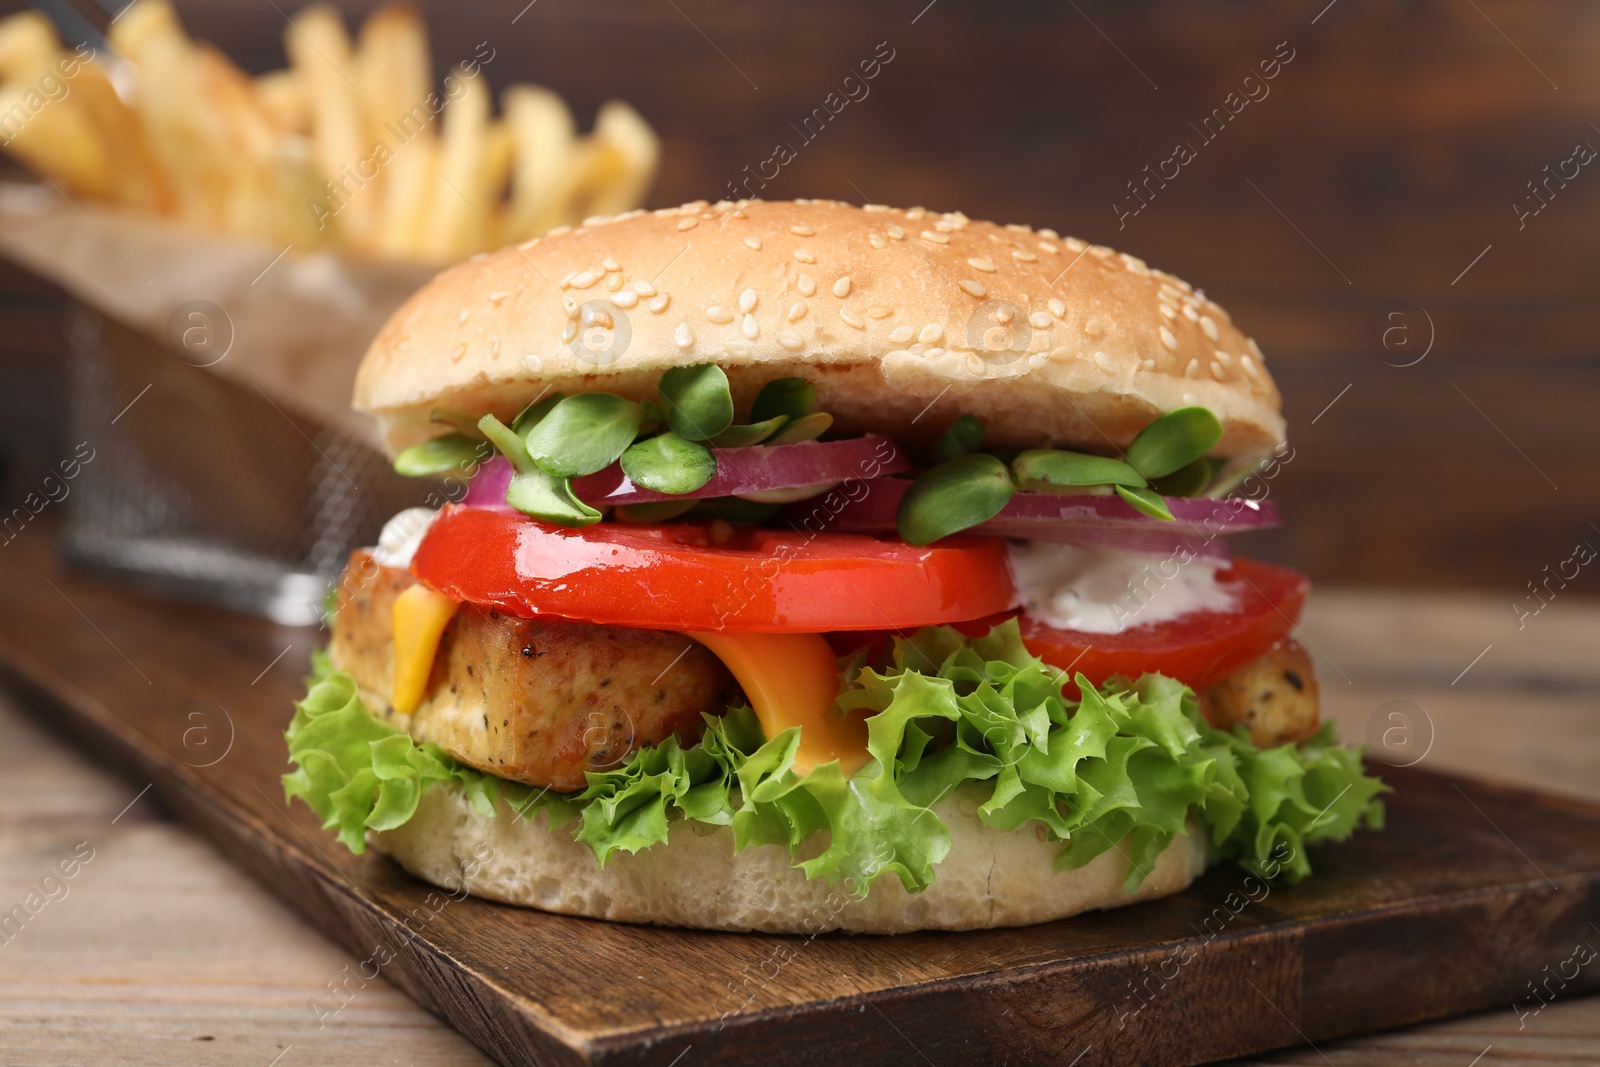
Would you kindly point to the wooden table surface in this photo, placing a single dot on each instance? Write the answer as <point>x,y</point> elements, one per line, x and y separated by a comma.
<point>159,952</point>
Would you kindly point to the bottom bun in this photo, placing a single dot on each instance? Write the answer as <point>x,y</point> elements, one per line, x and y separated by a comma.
<point>990,877</point>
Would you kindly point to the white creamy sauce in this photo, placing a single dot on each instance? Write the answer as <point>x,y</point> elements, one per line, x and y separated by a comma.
<point>401,535</point>
<point>1103,590</point>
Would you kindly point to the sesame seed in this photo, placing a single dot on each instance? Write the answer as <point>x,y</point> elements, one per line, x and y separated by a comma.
<point>1075,244</point>
<point>1223,358</point>
<point>1248,364</point>
<point>876,240</point>
<point>841,288</point>
<point>750,328</point>
<point>806,285</point>
<point>1255,350</point>
<point>1189,371</point>
<point>975,365</point>
<point>802,230</point>
<point>753,242</point>
<point>900,334</point>
<point>1169,340</point>
<point>461,349</point>
<point>682,336</point>
<point>1038,359</point>
<point>644,288</point>
<point>944,225</point>
<point>601,318</point>
<point>583,279</point>
<point>936,238</point>
<point>916,212</point>
<point>1046,232</point>
<point>1062,355</point>
<point>1148,364</point>
<point>931,333</point>
<point>1101,252</point>
<point>1057,308</point>
<point>1168,311</point>
<point>933,353</point>
<point>852,318</point>
<point>982,263</point>
<point>1002,315</point>
<point>1208,326</point>
<point>879,311</point>
<point>499,298</point>
<point>568,332</point>
<point>558,231</point>
<point>1190,313</point>
<point>1103,361</point>
<point>1048,247</point>
<point>1135,264</point>
<point>688,224</point>
<point>625,299</point>
<point>972,288</point>
<point>659,303</point>
<point>569,305</point>
<point>790,340</point>
<point>1039,320</point>
<point>747,301</point>
<point>1216,371</point>
<point>533,363</point>
<point>1093,327</point>
<point>719,314</point>
<point>609,264</point>
<point>1024,255</point>
<point>613,282</point>
<point>797,311</point>
<point>895,233</point>
<point>803,256</point>
<point>737,349</point>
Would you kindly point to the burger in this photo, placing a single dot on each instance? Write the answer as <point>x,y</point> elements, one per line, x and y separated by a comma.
<point>801,566</point>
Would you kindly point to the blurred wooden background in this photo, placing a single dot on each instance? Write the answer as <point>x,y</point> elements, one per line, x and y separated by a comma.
<point>1337,217</point>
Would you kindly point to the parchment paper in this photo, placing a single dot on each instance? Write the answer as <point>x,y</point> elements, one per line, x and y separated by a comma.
<point>300,323</point>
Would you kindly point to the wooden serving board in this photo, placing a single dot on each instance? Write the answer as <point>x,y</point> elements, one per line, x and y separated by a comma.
<point>1470,895</point>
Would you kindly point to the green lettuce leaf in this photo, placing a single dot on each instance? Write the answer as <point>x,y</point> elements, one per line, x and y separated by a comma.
<point>1123,766</point>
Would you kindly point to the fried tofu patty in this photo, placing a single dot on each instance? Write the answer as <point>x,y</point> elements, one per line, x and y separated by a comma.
<point>539,701</point>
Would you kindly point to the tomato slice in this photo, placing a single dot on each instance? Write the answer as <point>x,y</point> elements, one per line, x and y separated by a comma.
<point>683,576</point>
<point>1199,649</point>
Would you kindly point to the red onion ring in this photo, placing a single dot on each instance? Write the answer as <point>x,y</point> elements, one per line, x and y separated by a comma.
<point>739,470</point>
<point>1081,517</point>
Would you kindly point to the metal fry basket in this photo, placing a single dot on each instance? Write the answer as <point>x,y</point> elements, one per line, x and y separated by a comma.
<point>206,490</point>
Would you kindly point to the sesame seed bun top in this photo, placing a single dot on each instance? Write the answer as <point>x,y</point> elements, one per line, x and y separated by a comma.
<point>904,319</point>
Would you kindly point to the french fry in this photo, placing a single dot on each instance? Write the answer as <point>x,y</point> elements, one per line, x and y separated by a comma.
<point>143,24</point>
<point>409,182</point>
<point>545,141</point>
<point>636,152</point>
<point>454,226</point>
<point>28,43</point>
<point>319,50</point>
<point>283,94</point>
<point>186,133</point>
<point>396,73</point>
<point>142,183</point>
<point>352,147</point>
<point>55,136</point>
<point>249,203</point>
